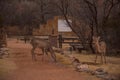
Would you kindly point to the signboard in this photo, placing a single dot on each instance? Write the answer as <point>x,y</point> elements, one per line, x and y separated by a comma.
<point>63,26</point>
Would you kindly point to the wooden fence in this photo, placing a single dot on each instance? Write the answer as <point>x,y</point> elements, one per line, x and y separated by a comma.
<point>74,42</point>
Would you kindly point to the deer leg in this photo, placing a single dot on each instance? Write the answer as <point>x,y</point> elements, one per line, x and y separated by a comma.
<point>102,58</point>
<point>33,54</point>
<point>46,51</point>
<point>96,57</point>
<point>105,58</point>
<point>43,54</point>
<point>53,54</point>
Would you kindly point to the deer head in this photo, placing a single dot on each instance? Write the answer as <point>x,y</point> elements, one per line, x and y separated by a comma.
<point>96,40</point>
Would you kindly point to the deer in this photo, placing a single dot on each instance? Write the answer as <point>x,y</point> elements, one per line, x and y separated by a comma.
<point>43,45</point>
<point>100,48</point>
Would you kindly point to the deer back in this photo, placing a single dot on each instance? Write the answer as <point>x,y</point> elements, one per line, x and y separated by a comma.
<point>40,43</point>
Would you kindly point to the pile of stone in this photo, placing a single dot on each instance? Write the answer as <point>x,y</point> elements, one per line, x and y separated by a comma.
<point>99,72</point>
<point>4,51</point>
<point>80,66</point>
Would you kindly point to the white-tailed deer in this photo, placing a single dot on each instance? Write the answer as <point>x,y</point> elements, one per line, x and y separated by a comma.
<point>44,45</point>
<point>100,48</point>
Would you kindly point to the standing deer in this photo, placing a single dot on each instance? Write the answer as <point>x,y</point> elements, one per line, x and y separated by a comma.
<point>42,44</point>
<point>100,48</point>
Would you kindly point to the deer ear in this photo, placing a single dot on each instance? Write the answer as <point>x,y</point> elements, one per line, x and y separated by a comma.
<point>98,37</point>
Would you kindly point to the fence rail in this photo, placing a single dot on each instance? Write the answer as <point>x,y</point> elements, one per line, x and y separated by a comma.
<point>67,40</point>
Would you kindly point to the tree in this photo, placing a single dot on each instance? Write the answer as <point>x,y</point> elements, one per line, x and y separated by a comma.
<point>64,7</point>
<point>94,13</point>
<point>30,13</point>
<point>100,13</point>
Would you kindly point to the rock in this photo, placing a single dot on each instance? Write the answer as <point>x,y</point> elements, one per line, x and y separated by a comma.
<point>79,66</point>
<point>100,73</point>
<point>112,77</point>
<point>4,49</point>
<point>99,70</point>
<point>83,68</point>
<point>101,76</point>
<point>75,61</point>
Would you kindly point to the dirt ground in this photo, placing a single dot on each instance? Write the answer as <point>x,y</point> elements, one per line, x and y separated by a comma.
<point>21,67</point>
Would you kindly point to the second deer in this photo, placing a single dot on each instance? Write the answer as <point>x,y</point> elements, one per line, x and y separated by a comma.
<point>100,48</point>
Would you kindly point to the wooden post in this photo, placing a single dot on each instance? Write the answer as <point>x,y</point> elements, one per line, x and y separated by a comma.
<point>53,40</point>
<point>3,38</point>
<point>60,41</point>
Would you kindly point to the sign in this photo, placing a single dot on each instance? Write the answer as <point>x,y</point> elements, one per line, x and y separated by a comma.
<point>63,26</point>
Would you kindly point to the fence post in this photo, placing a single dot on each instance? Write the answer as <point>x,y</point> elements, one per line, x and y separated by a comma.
<point>53,40</point>
<point>3,37</point>
<point>60,41</point>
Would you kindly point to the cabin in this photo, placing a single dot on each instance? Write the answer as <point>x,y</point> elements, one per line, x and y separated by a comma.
<point>55,26</point>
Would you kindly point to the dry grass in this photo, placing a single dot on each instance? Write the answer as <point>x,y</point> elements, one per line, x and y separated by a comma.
<point>112,66</point>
